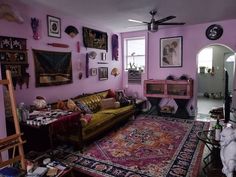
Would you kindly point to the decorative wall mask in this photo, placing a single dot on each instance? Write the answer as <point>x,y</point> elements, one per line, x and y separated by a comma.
<point>10,14</point>
<point>35,26</point>
<point>115,45</point>
<point>71,31</point>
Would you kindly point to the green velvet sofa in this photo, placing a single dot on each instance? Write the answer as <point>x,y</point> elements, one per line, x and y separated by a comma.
<point>101,121</point>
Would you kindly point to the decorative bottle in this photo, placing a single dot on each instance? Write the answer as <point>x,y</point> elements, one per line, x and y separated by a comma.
<point>218,129</point>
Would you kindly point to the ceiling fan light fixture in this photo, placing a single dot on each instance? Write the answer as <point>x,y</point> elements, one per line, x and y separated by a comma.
<point>152,27</point>
<point>136,21</point>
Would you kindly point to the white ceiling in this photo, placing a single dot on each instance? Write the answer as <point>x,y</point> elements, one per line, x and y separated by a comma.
<point>114,14</point>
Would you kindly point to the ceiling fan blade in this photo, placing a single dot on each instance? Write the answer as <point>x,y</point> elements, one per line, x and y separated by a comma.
<point>137,21</point>
<point>172,23</point>
<point>165,19</point>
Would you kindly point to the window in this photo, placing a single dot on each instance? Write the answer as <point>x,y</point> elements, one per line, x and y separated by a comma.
<point>205,59</point>
<point>134,53</point>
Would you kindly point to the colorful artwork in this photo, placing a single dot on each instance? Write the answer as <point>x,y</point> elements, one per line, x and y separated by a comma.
<point>95,39</point>
<point>13,56</point>
<point>115,46</point>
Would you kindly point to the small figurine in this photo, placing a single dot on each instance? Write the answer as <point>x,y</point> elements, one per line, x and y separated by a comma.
<point>228,151</point>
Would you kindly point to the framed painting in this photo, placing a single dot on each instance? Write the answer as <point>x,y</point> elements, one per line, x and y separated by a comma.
<point>52,68</point>
<point>103,56</point>
<point>54,26</point>
<point>95,39</point>
<point>171,52</point>
<point>103,73</point>
<point>93,71</point>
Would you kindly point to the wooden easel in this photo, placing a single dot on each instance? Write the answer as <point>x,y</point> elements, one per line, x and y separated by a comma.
<point>13,141</point>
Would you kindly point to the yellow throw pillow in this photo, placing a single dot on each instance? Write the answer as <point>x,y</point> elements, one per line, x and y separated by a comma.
<point>108,103</point>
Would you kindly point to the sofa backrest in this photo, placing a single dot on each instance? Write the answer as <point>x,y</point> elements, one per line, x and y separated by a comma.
<point>92,100</point>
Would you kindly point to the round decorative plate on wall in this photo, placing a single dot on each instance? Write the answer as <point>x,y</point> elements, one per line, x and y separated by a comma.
<point>214,32</point>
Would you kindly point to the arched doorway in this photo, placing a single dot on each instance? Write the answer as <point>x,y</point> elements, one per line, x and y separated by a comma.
<point>211,62</point>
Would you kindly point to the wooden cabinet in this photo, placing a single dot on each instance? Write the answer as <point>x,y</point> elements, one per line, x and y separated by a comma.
<point>176,89</point>
<point>179,90</point>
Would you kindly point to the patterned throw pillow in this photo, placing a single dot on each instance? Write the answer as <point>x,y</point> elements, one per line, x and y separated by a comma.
<point>84,107</point>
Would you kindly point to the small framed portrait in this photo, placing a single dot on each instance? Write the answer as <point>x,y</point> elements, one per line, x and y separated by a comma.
<point>103,56</point>
<point>93,71</point>
<point>54,26</point>
<point>103,73</point>
<point>171,52</point>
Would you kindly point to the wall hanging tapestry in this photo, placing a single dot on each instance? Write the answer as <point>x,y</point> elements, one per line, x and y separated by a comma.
<point>95,39</point>
<point>52,68</point>
<point>145,147</point>
<point>13,56</point>
<point>115,45</point>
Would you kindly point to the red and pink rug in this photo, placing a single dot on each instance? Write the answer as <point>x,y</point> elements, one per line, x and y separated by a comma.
<point>148,146</point>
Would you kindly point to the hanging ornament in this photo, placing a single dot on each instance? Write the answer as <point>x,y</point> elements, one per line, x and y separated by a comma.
<point>34,26</point>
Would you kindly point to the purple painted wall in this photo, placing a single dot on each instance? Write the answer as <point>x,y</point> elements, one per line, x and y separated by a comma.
<point>53,93</point>
<point>194,40</point>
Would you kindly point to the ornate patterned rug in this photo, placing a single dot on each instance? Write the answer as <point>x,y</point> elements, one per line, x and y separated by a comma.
<point>147,146</point>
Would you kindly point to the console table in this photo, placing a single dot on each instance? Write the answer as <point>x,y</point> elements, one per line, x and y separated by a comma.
<point>179,90</point>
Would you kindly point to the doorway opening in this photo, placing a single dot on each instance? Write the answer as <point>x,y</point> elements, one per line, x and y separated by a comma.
<point>212,61</point>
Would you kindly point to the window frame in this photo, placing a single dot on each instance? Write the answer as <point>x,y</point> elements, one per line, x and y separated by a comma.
<point>125,41</point>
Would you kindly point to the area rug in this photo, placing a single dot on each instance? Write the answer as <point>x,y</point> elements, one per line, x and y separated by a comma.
<point>147,146</point>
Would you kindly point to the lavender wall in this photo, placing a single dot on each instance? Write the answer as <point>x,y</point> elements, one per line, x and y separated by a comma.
<point>85,85</point>
<point>54,93</point>
<point>194,40</point>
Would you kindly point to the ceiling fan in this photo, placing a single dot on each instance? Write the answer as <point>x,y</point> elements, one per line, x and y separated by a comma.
<point>153,24</point>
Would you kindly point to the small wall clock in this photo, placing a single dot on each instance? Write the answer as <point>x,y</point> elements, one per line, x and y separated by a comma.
<point>214,32</point>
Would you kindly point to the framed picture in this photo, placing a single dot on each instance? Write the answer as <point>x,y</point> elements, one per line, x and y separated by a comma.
<point>103,73</point>
<point>95,39</point>
<point>93,71</point>
<point>54,26</point>
<point>171,52</point>
<point>103,56</point>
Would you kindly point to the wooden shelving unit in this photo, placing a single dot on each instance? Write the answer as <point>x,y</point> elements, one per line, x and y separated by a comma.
<point>176,89</point>
<point>179,90</point>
